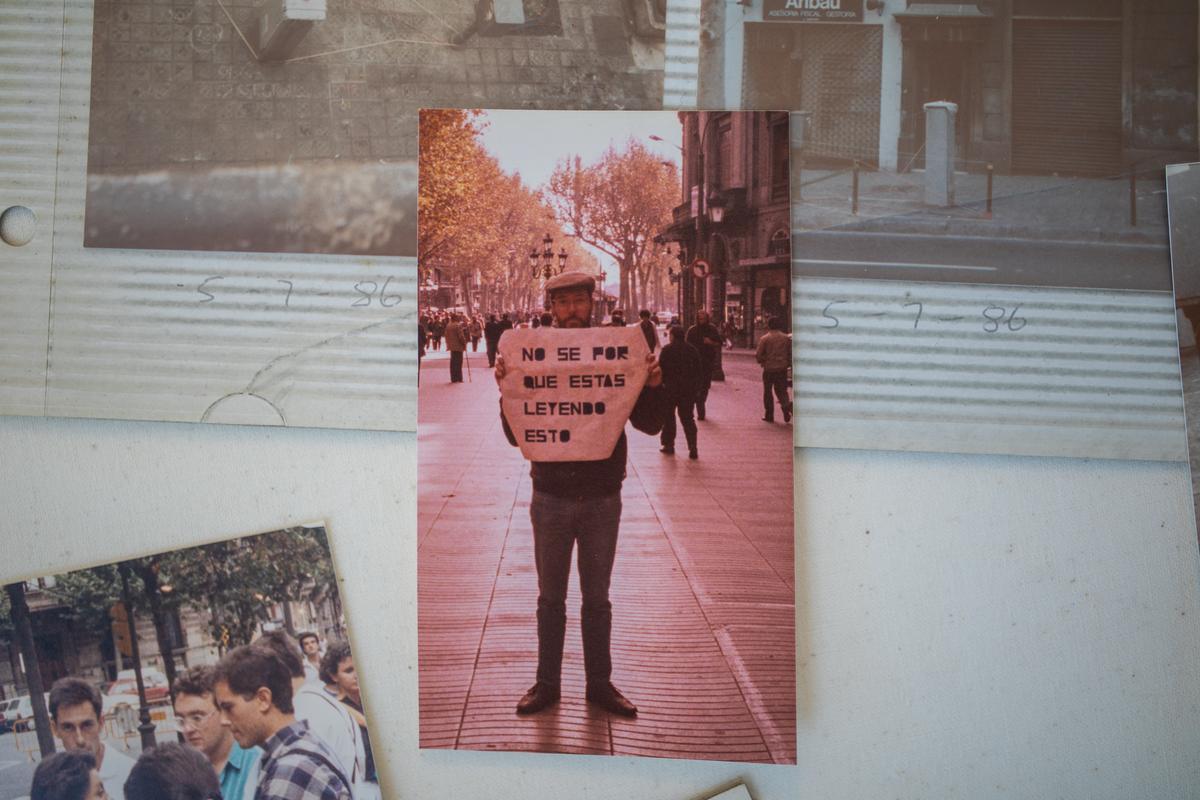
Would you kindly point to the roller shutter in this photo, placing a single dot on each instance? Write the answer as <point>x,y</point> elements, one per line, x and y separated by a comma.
<point>1067,97</point>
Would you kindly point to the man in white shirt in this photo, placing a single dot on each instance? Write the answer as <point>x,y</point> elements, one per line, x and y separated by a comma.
<point>76,709</point>
<point>310,645</point>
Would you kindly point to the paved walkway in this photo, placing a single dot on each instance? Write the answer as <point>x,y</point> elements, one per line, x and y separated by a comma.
<point>1031,207</point>
<point>703,590</point>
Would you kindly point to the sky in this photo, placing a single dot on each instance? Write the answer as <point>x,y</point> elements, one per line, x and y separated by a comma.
<point>533,142</point>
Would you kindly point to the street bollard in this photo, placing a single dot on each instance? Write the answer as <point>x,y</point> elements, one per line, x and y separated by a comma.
<point>990,170</point>
<point>854,190</point>
<point>1133,197</point>
<point>939,153</point>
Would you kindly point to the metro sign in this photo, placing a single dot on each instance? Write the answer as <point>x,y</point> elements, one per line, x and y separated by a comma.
<point>813,10</point>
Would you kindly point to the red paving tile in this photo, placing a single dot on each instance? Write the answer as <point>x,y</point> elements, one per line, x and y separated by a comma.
<point>703,588</point>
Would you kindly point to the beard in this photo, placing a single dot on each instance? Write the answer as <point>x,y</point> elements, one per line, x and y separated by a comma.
<point>573,322</point>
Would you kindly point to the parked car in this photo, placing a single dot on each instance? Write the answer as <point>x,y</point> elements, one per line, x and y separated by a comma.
<point>125,686</point>
<point>8,709</point>
<point>17,714</point>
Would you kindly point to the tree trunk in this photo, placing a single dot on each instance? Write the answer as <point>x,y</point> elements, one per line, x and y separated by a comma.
<point>158,616</point>
<point>466,290</point>
<point>33,672</point>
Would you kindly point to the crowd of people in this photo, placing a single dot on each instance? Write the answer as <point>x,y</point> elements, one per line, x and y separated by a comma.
<point>688,358</point>
<point>274,720</point>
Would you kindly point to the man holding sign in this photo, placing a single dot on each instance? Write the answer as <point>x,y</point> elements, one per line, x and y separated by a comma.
<point>566,393</point>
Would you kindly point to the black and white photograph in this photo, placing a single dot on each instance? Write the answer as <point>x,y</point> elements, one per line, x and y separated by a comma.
<point>978,217</point>
<point>606,365</point>
<point>217,671</point>
<point>1183,201</point>
<point>290,126</point>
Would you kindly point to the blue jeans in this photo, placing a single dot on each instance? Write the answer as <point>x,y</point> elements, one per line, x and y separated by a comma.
<point>558,523</point>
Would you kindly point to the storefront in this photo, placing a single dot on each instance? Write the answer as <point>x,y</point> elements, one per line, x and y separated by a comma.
<point>1057,87</point>
<point>1067,87</point>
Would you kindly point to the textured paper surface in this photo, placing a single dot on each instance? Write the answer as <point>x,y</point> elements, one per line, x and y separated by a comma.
<point>567,393</point>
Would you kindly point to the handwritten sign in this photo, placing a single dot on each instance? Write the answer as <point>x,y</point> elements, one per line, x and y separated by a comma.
<point>567,393</point>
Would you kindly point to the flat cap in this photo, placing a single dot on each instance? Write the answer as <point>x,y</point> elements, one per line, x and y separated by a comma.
<point>571,280</point>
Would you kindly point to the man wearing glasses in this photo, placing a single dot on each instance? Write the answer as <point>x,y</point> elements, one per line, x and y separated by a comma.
<point>199,721</point>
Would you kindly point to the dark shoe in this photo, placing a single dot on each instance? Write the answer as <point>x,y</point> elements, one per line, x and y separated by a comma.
<point>611,700</point>
<point>700,413</point>
<point>539,697</point>
<point>787,416</point>
<point>667,449</point>
<point>693,454</point>
<point>768,419</point>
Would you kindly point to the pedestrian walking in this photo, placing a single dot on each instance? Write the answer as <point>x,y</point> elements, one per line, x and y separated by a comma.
<point>491,338</point>
<point>456,343</point>
<point>235,767</point>
<point>774,353</point>
<point>579,502</point>
<point>436,327</point>
<point>705,337</point>
<point>682,367</point>
<point>254,692</point>
<point>476,332</point>
<point>649,330</point>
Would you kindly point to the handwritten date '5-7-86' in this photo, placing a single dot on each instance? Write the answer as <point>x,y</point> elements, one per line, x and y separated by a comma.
<point>993,318</point>
<point>365,293</point>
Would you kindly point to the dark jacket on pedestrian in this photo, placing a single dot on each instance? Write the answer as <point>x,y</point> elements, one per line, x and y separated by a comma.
<point>696,336</point>
<point>651,334</point>
<point>682,367</point>
<point>596,478</point>
<point>492,331</point>
<point>456,338</point>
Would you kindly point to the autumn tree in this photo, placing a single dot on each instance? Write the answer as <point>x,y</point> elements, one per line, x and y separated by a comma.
<point>477,221</point>
<point>452,164</point>
<point>618,205</point>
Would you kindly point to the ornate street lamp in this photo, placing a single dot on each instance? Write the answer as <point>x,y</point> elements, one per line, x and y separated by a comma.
<point>716,209</point>
<point>543,263</point>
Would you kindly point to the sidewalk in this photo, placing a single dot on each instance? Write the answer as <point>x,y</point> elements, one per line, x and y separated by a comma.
<point>703,589</point>
<point>1026,207</point>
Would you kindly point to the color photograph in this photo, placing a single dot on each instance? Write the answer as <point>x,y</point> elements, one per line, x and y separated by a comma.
<point>223,670</point>
<point>606,371</point>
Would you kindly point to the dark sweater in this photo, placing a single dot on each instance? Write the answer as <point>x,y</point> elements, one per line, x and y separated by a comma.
<point>596,478</point>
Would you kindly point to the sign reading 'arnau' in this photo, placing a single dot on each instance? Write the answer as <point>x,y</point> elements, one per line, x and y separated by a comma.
<point>567,393</point>
<point>812,10</point>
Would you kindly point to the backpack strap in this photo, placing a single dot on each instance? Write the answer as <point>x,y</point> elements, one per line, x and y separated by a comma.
<point>328,762</point>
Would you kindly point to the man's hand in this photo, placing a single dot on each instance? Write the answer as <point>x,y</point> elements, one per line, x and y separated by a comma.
<point>501,369</point>
<point>654,376</point>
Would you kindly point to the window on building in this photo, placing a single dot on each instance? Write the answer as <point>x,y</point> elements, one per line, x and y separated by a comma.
<point>781,243</point>
<point>724,171</point>
<point>780,157</point>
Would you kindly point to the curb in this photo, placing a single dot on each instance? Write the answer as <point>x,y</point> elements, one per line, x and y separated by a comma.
<point>984,228</point>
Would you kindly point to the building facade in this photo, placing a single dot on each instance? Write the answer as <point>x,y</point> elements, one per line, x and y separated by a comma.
<point>1042,86</point>
<point>65,647</point>
<point>732,226</point>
